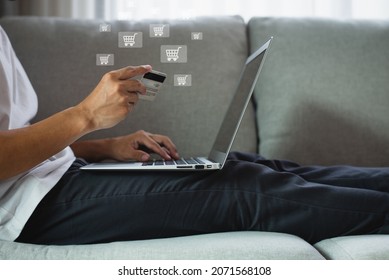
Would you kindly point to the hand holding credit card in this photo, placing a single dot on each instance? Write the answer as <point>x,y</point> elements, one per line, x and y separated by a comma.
<point>153,81</point>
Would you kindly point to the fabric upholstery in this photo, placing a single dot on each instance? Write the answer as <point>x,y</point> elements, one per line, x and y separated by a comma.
<point>232,245</point>
<point>324,93</point>
<point>368,247</point>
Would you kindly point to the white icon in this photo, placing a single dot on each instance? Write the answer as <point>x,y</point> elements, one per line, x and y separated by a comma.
<point>104,59</point>
<point>172,54</point>
<point>104,27</point>
<point>129,39</point>
<point>181,80</point>
<point>197,35</point>
<point>158,30</point>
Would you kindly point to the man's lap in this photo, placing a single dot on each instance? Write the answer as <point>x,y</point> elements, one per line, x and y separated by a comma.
<point>249,193</point>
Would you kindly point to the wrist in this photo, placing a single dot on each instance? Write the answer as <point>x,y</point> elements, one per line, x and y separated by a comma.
<point>94,150</point>
<point>85,118</point>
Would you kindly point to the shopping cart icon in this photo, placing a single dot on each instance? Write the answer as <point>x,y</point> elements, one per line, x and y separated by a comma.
<point>129,39</point>
<point>104,27</point>
<point>158,30</point>
<point>133,39</point>
<point>104,59</point>
<point>181,80</point>
<point>197,35</point>
<point>172,54</point>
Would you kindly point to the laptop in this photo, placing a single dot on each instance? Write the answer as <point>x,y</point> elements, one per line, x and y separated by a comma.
<point>225,137</point>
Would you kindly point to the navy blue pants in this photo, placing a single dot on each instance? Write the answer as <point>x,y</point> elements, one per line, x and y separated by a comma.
<point>249,193</point>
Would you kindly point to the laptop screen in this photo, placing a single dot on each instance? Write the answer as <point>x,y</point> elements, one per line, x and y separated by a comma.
<point>238,105</point>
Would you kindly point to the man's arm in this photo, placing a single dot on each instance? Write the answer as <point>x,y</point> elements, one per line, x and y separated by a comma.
<point>21,149</point>
<point>109,103</point>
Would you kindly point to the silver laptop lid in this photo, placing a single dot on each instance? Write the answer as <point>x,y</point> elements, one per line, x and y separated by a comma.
<point>238,105</point>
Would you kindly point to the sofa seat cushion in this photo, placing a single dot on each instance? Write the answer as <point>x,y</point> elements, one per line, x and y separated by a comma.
<point>323,94</point>
<point>231,245</point>
<point>360,247</point>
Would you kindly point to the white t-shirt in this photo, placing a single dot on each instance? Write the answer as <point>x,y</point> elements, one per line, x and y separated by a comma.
<point>20,195</point>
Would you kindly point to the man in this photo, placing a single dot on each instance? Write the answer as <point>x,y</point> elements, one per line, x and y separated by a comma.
<point>46,199</point>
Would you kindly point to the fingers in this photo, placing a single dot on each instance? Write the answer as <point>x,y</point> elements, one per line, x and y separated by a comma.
<point>133,71</point>
<point>139,146</point>
<point>131,86</point>
<point>159,144</point>
<point>114,97</point>
<point>129,90</point>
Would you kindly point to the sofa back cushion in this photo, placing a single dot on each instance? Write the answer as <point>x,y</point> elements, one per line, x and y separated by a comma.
<point>60,58</point>
<point>323,96</point>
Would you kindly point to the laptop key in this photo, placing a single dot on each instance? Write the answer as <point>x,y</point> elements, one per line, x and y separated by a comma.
<point>190,161</point>
<point>180,161</point>
<point>198,160</point>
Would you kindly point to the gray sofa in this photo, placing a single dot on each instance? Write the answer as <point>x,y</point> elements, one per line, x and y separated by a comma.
<point>322,98</point>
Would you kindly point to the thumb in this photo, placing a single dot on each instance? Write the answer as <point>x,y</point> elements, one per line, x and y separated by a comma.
<point>140,155</point>
<point>133,71</point>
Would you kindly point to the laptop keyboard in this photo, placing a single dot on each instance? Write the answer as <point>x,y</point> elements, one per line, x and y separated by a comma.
<point>182,161</point>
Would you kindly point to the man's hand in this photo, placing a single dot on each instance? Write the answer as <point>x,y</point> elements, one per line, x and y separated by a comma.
<point>108,104</point>
<point>114,97</point>
<point>136,146</point>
